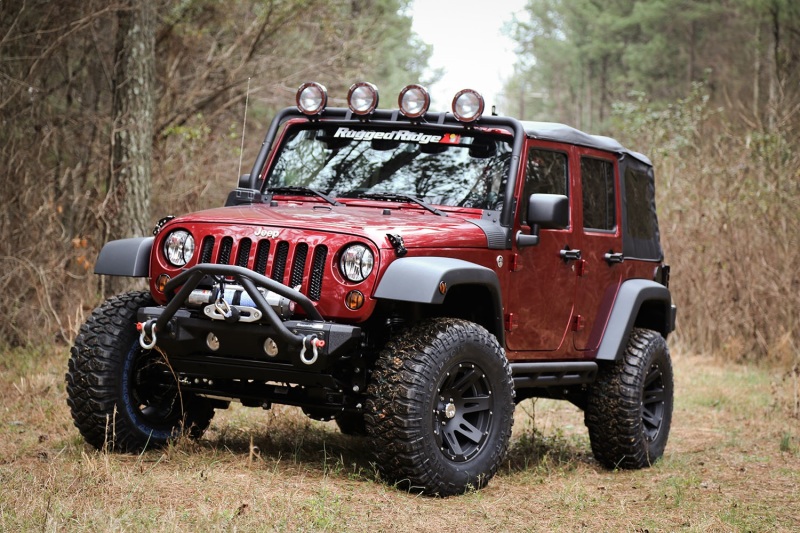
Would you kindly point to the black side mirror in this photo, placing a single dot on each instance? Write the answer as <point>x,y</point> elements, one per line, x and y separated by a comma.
<point>547,211</point>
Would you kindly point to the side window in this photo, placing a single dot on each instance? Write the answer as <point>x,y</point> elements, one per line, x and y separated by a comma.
<point>597,181</point>
<point>545,173</point>
<point>640,205</point>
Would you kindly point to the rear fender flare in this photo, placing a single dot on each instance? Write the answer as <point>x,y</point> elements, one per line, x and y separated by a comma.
<point>418,279</point>
<point>625,315</point>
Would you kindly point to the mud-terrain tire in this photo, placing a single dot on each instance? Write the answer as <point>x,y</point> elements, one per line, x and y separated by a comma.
<point>440,407</point>
<point>122,397</point>
<point>629,410</point>
<point>351,424</point>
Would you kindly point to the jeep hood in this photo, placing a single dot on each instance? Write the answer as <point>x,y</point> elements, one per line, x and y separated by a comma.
<point>419,228</point>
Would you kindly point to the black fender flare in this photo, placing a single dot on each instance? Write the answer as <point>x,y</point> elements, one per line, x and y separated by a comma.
<point>125,257</point>
<point>632,295</point>
<point>418,279</point>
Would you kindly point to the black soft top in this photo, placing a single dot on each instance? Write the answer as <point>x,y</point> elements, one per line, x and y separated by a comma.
<point>553,131</point>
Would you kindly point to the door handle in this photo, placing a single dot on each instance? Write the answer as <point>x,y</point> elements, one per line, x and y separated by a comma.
<point>614,258</point>
<point>570,255</point>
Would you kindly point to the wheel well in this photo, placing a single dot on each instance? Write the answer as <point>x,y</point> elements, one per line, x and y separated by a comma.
<point>653,315</point>
<point>473,303</point>
<point>468,302</point>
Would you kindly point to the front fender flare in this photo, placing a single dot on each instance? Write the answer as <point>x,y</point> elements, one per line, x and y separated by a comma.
<point>417,279</point>
<point>125,257</point>
<point>632,295</point>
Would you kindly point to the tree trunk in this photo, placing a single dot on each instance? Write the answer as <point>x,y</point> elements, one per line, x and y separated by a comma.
<point>127,210</point>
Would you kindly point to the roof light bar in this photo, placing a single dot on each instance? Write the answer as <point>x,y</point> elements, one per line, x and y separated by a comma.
<point>312,97</point>
<point>362,98</point>
<point>468,105</point>
<point>414,101</point>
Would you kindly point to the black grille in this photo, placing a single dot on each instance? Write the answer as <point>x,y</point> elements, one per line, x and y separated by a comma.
<point>279,263</point>
<point>317,271</point>
<point>207,249</point>
<point>271,257</point>
<point>243,254</point>
<point>262,256</point>
<point>299,264</point>
<point>225,248</point>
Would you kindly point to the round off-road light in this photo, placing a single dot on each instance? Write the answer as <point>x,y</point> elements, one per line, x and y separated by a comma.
<point>362,98</point>
<point>179,247</point>
<point>312,97</point>
<point>414,101</point>
<point>468,105</point>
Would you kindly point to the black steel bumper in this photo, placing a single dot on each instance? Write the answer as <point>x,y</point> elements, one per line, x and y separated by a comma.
<point>294,351</point>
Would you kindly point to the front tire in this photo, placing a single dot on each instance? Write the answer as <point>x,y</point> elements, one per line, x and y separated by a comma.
<point>629,411</point>
<point>122,396</point>
<point>440,406</point>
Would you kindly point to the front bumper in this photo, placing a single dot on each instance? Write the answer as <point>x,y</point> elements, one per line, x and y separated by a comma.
<point>306,351</point>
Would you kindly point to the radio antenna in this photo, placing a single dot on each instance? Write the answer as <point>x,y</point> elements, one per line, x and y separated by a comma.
<point>244,126</point>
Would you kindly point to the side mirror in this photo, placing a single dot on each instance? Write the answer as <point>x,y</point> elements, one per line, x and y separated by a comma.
<point>548,211</point>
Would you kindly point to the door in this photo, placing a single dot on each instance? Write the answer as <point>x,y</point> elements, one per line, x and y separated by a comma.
<point>600,242</point>
<point>542,285</point>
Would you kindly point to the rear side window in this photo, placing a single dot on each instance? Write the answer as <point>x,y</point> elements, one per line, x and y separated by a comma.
<point>545,173</point>
<point>639,202</point>
<point>597,181</point>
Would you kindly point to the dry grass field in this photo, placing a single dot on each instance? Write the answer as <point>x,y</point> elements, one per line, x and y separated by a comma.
<point>732,464</point>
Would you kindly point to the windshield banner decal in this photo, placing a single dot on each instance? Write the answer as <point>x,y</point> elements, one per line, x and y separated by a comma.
<point>402,135</point>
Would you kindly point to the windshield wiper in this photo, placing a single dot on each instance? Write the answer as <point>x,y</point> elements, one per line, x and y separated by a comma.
<point>394,197</point>
<point>303,191</point>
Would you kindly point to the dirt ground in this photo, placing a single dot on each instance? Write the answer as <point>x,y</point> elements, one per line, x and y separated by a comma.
<point>732,464</point>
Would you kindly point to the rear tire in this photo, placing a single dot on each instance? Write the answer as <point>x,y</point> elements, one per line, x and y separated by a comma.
<point>629,411</point>
<point>121,396</point>
<point>440,407</point>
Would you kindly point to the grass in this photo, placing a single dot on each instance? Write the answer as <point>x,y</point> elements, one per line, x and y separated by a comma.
<point>732,464</point>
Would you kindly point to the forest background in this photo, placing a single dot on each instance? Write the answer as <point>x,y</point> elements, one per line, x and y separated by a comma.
<point>114,114</point>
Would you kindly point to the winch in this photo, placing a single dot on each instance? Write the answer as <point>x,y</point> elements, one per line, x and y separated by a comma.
<point>222,303</point>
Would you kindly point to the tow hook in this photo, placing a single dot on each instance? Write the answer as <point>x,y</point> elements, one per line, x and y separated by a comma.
<point>315,344</point>
<point>147,330</point>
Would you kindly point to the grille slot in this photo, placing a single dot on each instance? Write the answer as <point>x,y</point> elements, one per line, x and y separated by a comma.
<point>279,263</point>
<point>225,247</point>
<point>207,249</point>
<point>299,264</point>
<point>243,254</point>
<point>262,256</point>
<point>317,272</point>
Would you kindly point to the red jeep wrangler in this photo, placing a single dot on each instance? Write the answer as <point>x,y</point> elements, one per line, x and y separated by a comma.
<point>408,274</point>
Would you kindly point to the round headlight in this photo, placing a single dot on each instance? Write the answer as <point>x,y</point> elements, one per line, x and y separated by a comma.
<point>362,98</point>
<point>312,98</point>
<point>414,101</point>
<point>179,247</point>
<point>468,105</point>
<point>356,262</point>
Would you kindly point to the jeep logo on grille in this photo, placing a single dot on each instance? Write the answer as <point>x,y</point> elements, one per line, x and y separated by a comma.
<point>269,234</point>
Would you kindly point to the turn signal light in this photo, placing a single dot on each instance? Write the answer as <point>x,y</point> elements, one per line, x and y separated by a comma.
<point>354,300</point>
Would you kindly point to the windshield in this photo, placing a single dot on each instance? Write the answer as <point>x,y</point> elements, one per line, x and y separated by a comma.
<point>459,170</point>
